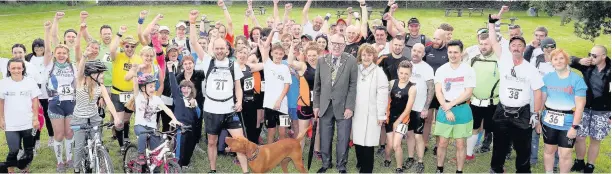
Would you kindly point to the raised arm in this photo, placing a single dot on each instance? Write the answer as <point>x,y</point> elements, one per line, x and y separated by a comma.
<point>48,54</point>
<point>296,65</point>
<point>364,19</point>
<point>305,12</point>
<point>349,16</point>
<point>115,44</point>
<point>275,9</point>
<point>288,8</point>
<point>265,51</point>
<point>77,45</point>
<point>325,26</point>
<point>86,34</point>
<point>146,34</point>
<point>228,18</point>
<point>54,28</point>
<point>141,19</point>
<point>193,15</point>
<point>497,49</point>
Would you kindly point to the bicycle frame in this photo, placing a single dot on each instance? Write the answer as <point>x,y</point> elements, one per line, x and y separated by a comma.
<point>158,156</point>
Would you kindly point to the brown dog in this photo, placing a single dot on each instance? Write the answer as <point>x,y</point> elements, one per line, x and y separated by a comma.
<point>264,158</point>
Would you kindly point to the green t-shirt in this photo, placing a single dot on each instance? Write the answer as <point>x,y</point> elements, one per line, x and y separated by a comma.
<point>104,56</point>
<point>487,75</point>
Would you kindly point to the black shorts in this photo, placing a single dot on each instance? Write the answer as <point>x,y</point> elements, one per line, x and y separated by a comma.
<point>305,112</point>
<point>483,113</point>
<point>272,117</point>
<point>416,123</point>
<point>259,100</point>
<point>119,106</point>
<point>389,125</point>
<point>215,123</point>
<point>557,137</point>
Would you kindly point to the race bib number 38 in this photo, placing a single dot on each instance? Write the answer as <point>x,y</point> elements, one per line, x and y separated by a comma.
<point>124,97</point>
<point>554,118</point>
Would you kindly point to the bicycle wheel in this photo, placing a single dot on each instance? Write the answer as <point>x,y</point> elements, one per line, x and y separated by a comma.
<point>105,163</point>
<point>172,167</point>
<point>130,157</point>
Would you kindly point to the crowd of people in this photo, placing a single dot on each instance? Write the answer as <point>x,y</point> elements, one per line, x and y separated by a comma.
<point>375,82</point>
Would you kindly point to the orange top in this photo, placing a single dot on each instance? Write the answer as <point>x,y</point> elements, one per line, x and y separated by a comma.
<point>304,98</point>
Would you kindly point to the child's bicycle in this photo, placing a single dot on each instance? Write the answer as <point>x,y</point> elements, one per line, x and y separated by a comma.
<point>96,158</point>
<point>159,160</point>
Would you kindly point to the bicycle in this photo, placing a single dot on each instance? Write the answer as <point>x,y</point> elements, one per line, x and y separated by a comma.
<point>96,157</point>
<point>161,156</point>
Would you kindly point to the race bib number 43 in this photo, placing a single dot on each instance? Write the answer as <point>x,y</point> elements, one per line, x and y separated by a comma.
<point>66,90</point>
<point>124,97</point>
<point>554,118</point>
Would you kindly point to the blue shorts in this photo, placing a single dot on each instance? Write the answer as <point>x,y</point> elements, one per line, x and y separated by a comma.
<point>61,109</point>
<point>293,113</point>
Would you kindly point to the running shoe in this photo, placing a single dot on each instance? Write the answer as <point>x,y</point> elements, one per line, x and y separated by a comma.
<point>60,168</point>
<point>408,163</point>
<point>420,167</point>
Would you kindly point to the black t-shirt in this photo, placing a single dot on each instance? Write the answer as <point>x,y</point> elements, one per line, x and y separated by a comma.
<point>436,57</point>
<point>354,47</point>
<point>389,64</point>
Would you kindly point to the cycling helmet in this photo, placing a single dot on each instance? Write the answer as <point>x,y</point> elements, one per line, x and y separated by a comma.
<point>146,79</point>
<point>93,67</point>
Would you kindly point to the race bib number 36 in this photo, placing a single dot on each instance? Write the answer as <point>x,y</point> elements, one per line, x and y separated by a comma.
<point>554,118</point>
<point>124,97</point>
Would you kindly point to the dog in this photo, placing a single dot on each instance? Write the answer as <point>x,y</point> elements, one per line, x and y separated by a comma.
<point>264,158</point>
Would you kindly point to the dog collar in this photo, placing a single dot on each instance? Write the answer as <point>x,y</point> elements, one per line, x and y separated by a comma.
<point>255,153</point>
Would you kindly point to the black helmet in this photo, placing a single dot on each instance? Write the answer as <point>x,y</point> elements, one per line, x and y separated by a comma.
<point>146,79</point>
<point>93,67</point>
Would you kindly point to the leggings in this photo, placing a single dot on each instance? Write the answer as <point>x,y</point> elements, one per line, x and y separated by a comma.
<point>45,105</point>
<point>185,147</point>
<point>249,120</point>
<point>14,140</point>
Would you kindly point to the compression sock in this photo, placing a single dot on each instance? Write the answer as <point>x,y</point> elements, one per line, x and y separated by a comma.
<point>126,130</point>
<point>68,145</point>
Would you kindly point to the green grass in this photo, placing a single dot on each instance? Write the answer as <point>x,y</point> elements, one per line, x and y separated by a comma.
<point>23,24</point>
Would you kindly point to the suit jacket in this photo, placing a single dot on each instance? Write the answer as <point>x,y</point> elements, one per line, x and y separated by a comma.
<point>343,93</point>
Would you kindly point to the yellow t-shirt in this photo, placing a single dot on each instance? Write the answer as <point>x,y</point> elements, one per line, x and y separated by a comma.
<point>121,66</point>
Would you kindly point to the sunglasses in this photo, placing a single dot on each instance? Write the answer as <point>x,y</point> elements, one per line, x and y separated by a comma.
<point>130,46</point>
<point>593,55</point>
<point>550,46</point>
<point>514,27</point>
<point>513,72</point>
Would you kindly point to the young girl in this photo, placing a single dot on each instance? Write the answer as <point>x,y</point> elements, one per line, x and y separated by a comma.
<point>18,112</point>
<point>146,105</point>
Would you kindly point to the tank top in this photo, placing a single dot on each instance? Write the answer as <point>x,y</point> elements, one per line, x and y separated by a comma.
<point>61,85</point>
<point>247,82</point>
<point>86,108</point>
<point>399,98</point>
<point>294,88</point>
<point>306,86</point>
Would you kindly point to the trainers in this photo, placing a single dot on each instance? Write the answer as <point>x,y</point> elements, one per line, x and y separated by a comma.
<point>578,165</point>
<point>469,158</point>
<point>68,164</point>
<point>380,150</point>
<point>420,167</point>
<point>60,168</point>
<point>589,168</point>
<point>318,154</point>
<point>399,170</point>
<point>483,149</point>
<point>141,159</point>
<point>387,163</point>
<point>408,163</point>
<point>212,171</point>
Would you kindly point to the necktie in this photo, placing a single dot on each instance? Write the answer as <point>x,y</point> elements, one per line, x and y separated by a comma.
<point>333,69</point>
<point>335,60</point>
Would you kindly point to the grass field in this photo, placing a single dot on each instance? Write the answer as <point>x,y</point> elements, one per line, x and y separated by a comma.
<point>22,24</point>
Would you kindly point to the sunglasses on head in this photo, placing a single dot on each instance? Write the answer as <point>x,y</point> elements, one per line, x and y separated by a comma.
<point>514,27</point>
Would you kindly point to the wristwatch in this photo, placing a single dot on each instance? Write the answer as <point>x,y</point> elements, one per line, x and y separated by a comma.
<point>576,127</point>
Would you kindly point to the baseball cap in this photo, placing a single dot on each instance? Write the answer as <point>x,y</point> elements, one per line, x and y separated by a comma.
<point>518,38</point>
<point>162,28</point>
<point>340,20</point>
<point>548,42</point>
<point>482,31</point>
<point>413,20</point>
<point>180,24</point>
<point>306,36</point>
<point>129,40</point>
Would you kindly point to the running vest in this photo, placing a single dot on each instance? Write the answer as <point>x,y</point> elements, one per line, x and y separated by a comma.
<point>62,84</point>
<point>306,84</point>
<point>487,80</point>
<point>257,79</point>
<point>248,84</point>
<point>399,98</point>
<point>220,84</point>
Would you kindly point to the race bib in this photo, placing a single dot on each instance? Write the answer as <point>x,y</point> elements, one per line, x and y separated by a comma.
<point>481,103</point>
<point>248,84</point>
<point>514,93</point>
<point>124,97</point>
<point>263,84</point>
<point>401,128</point>
<point>554,118</point>
<point>65,90</point>
<point>106,58</point>
<point>284,120</point>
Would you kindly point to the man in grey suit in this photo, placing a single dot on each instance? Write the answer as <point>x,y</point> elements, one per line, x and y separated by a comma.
<point>334,101</point>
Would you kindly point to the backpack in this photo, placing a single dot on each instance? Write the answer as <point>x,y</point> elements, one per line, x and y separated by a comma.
<point>212,66</point>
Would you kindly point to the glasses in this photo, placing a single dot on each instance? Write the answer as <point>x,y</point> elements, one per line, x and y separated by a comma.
<point>550,46</point>
<point>593,55</point>
<point>337,44</point>
<point>414,25</point>
<point>130,46</point>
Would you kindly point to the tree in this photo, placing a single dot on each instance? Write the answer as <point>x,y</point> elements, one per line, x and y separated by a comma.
<point>591,18</point>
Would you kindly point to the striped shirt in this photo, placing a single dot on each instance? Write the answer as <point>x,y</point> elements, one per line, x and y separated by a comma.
<point>86,107</point>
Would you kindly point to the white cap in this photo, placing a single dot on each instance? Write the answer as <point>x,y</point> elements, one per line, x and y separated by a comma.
<point>162,28</point>
<point>181,24</point>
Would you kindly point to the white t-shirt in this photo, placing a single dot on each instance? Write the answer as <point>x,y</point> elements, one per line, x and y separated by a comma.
<point>309,30</point>
<point>471,52</point>
<point>182,44</point>
<point>454,81</point>
<point>545,68</point>
<point>385,50</point>
<point>220,86</point>
<point>516,91</point>
<point>17,98</point>
<point>146,114</point>
<point>4,69</point>
<point>421,72</point>
<point>39,75</point>
<point>199,64</point>
<point>534,56</point>
<point>276,75</point>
